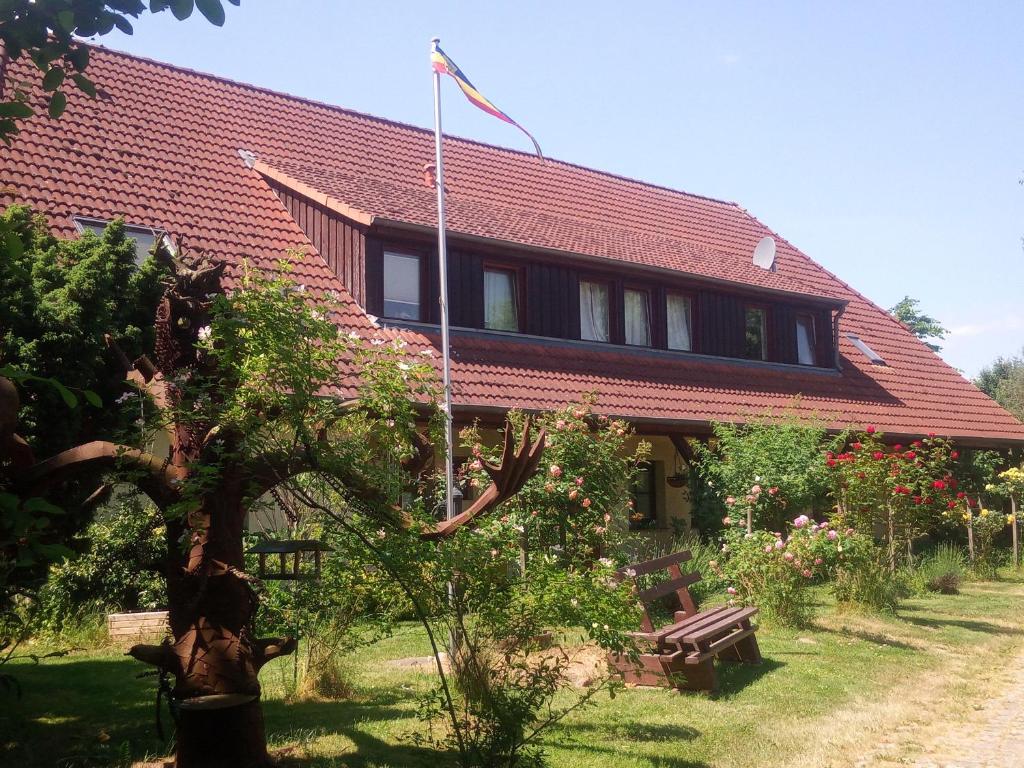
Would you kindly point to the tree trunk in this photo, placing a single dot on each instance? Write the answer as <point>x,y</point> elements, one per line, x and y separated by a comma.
<point>1015,531</point>
<point>220,738</point>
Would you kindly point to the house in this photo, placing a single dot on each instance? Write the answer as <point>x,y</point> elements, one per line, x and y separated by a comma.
<point>563,280</point>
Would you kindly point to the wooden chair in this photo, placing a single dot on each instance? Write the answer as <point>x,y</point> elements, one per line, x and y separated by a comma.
<point>682,654</point>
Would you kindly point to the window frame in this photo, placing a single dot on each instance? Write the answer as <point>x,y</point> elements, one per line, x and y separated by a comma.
<point>813,325</point>
<point>519,294</point>
<point>691,298</point>
<point>423,278</point>
<point>649,293</point>
<point>85,224</point>
<point>650,520</point>
<point>766,345</point>
<point>609,286</point>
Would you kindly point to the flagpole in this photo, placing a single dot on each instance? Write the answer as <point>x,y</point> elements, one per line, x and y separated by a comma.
<point>442,263</point>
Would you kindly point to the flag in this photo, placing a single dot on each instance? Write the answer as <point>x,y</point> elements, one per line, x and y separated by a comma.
<point>445,66</point>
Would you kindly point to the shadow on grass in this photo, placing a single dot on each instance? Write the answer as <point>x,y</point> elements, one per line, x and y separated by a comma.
<point>586,738</point>
<point>972,625</point>
<point>734,677</point>
<point>875,638</point>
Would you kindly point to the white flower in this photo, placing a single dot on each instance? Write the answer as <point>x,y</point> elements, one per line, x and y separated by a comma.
<point>594,625</point>
<point>301,288</point>
<point>205,332</point>
<point>125,397</point>
<point>404,367</point>
<point>377,342</point>
<point>427,353</point>
<point>631,572</point>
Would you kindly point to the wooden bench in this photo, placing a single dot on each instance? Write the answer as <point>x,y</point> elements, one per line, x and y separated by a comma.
<point>682,654</point>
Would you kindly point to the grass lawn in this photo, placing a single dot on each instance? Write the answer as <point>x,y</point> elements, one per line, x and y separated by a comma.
<point>820,697</point>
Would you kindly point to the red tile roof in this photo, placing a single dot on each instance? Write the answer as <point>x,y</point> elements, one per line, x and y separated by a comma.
<point>160,147</point>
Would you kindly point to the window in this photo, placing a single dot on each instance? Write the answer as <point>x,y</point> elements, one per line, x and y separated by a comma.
<point>145,237</point>
<point>756,339</point>
<point>501,300</point>
<point>593,311</point>
<point>638,317</point>
<point>806,346</point>
<point>644,513</point>
<point>680,322</point>
<point>874,357</point>
<point>402,281</point>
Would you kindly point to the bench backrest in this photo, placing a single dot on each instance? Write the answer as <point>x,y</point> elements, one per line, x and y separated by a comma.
<point>677,583</point>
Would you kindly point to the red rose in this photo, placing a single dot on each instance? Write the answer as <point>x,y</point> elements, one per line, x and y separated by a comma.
<point>897,448</point>
<point>870,429</point>
<point>939,485</point>
<point>954,455</point>
<point>916,443</point>
<point>950,505</point>
<point>960,494</point>
<point>857,446</point>
<point>878,455</point>
<point>917,499</point>
<point>831,462</point>
<point>861,476</point>
<point>910,455</point>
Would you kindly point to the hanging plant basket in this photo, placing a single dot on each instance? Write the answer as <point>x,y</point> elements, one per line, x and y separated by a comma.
<point>678,480</point>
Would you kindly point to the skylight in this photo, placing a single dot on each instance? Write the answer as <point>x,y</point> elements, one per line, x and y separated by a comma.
<point>869,353</point>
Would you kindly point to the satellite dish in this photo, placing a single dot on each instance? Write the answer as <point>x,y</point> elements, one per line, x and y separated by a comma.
<point>764,254</point>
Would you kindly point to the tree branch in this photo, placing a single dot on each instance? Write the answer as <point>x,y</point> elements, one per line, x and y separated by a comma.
<point>158,478</point>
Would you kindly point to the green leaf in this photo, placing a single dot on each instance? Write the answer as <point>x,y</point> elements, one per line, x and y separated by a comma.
<point>66,19</point>
<point>53,79</point>
<point>15,109</point>
<point>58,103</point>
<point>85,85</point>
<point>79,58</point>
<point>13,245</point>
<point>37,504</point>
<point>92,398</point>
<point>212,10</point>
<point>123,24</point>
<point>68,396</point>
<point>182,9</point>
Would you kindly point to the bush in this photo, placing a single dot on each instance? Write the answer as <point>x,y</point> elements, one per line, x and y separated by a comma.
<point>780,456</point>
<point>943,570</point>
<point>861,578</point>
<point>113,573</point>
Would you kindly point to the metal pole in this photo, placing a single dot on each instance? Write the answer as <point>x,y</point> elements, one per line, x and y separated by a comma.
<point>442,263</point>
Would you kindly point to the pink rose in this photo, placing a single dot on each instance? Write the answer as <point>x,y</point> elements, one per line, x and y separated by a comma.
<point>818,561</point>
<point>832,535</point>
<point>726,520</point>
<point>773,490</point>
<point>788,556</point>
<point>730,500</point>
<point>768,547</point>
<point>586,503</point>
<point>801,521</point>
<point>555,470</point>
<point>780,544</point>
<point>755,490</point>
<point>573,494</point>
<point>807,573</point>
<point>731,590</point>
<point>579,481</point>
<point>476,465</point>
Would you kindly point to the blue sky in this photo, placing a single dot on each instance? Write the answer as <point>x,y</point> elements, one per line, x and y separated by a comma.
<point>886,140</point>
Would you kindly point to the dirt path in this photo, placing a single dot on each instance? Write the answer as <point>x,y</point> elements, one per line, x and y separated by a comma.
<point>990,735</point>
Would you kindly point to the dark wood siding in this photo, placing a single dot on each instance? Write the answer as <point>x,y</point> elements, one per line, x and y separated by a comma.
<point>552,308</point>
<point>341,243</point>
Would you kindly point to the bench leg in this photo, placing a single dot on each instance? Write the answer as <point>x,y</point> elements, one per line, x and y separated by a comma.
<point>748,651</point>
<point>699,677</point>
<point>648,670</point>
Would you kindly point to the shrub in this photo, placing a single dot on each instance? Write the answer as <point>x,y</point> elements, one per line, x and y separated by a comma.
<point>579,502</point>
<point>944,570</point>
<point>861,578</point>
<point>117,571</point>
<point>772,571</point>
<point>777,455</point>
<point>897,492</point>
<point>987,525</point>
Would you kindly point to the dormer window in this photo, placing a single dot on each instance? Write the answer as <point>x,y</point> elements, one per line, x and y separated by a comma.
<point>403,281</point>
<point>680,322</point>
<point>756,334</point>
<point>637,304</point>
<point>806,341</point>
<point>145,237</point>
<point>501,299</point>
<point>594,325</point>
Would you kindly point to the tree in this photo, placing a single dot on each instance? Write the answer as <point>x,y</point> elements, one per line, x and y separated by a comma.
<point>60,302</point>
<point>1003,381</point>
<point>46,32</point>
<point>918,323</point>
<point>237,388</point>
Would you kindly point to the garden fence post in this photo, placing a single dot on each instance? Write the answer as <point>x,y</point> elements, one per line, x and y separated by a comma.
<point>1015,531</point>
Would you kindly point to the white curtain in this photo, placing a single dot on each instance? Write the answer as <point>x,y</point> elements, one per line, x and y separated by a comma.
<point>500,310</point>
<point>679,322</point>
<point>401,286</point>
<point>638,318</point>
<point>805,340</point>
<point>593,311</point>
